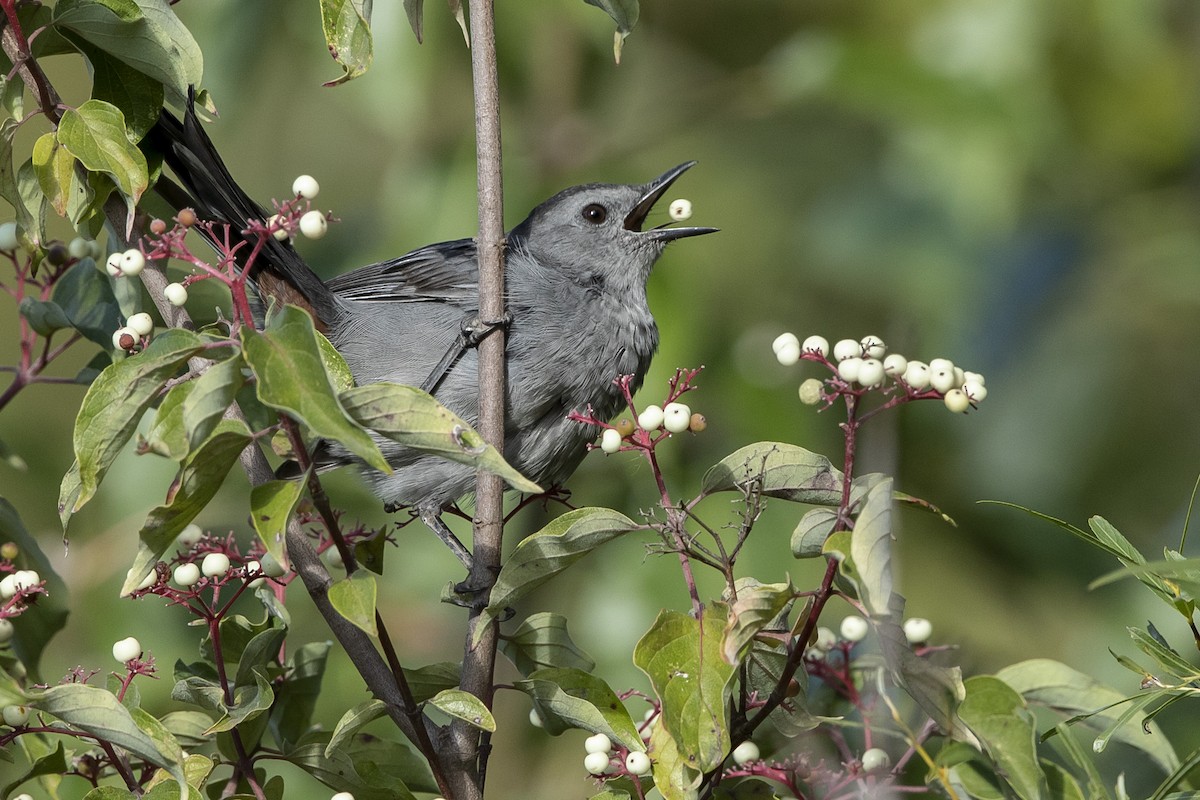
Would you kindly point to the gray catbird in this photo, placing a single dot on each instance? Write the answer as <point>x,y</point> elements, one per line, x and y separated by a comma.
<point>576,274</point>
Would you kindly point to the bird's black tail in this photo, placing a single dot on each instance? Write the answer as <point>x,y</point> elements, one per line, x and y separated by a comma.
<point>205,185</point>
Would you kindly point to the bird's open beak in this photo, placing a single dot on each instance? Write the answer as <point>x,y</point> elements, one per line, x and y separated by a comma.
<point>655,190</point>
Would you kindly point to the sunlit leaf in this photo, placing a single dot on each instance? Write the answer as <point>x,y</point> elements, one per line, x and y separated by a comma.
<point>354,598</point>
<point>777,469</point>
<point>347,27</point>
<point>465,706</point>
<point>574,698</point>
<point>997,715</point>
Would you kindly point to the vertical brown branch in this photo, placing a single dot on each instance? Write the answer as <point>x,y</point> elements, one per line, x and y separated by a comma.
<point>479,660</point>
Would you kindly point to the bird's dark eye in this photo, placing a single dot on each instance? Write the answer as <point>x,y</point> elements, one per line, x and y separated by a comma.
<point>595,213</point>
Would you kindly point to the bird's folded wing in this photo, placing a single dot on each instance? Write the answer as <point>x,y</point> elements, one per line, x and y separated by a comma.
<point>447,272</point>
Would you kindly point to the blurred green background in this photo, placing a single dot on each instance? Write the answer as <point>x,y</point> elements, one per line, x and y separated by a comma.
<point>1011,184</point>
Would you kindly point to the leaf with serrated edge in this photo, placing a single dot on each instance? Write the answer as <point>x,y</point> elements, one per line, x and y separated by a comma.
<point>465,706</point>
<point>347,27</point>
<point>114,404</point>
<point>415,419</point>
<point>998,717</point>
<point>754,608</point>
<point>354,599</point>
<point>582,700</point>
<point>777,469</point>
<point>682,657</point>
<point>1045,682</point>
<point>271,506</point>
<point>565,540</point>
<point>871,549</point>
<point>291,378</point>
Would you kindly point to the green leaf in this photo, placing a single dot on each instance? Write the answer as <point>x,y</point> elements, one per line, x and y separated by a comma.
<point>425,682</point>
<point>682,657</point>
<point>465,706</point>
<point>1000,720</point>
<point>249,702</point>
<point>271,507</point>
<point>755,608</point>
<point>1064,741</point>
<point>415,419</point>
<point>354,598</point>
<point>871,549</point>
<point>572,698</point>
<point>9,189</point>
<point>291,378</point>
<point>44,316</point>
<point>808,540</point>
<point>625,14</point>
<point>99,713</point>
<point>158,733</point>
<point>95,134</point>
<point>112,407</point>
<point>542,641</point>
<point>144,34</point>
<point>261,651</point>
<point>370,770</point>
<point>415,11</point>
<point>208,401</point>
<point>1062,784</point>
<point>39,622</point>
<point>33,199</point>
<point>1171,661</point>
<point>55,169</point>
<point>674,776</point>
<point>188,727</point>
<point>139,96</point>
<point>541,556</point>
<point>937,690</point>
<point>295,698</point>
<point>52,763</point>
<point>166,436</point>
<point>353,721</point>
<point>777,469</point>
<point>347,27</point>
<point>1049,683</point>
<point>86,296</point>
<point>200,476</point>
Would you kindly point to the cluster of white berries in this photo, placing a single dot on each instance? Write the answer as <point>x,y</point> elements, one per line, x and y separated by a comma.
<point>598,760</point>
<point>673,418</point>
<point>313,224</point>
<point>854,628</point>
<point>15,582</point>
<point>867,363</point>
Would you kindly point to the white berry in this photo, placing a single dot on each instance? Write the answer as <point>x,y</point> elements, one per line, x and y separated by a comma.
<point>788,354</point>
<point>957,401</point>
<point>680,209</point>
<point>176,294</point>
<point>186,575</point>
<point>895,365</point>
<point>189,535</point>
<point>676,417</point>
<point>811,392</point>
<point>15,716</point>
<point>873,347</point>
<point>875,759</point>
<point>917,630</point>
<point>342,796</point>
<point>847,348</point>
<point>942,379</point>
<point>825,640</point>
<point>79,247</point>
<point>306,186</point>
<point>125,338</point>
<point>848,369</point>
<point>272,568</point>
<point>132,262</point>
<point>597,744</point>
<point>113,265</point>
<point>816,344</point>
<point>638,763</point>
<point>969,377</point>
<point>14,582</point>
<point>975,390</point>
<point>941,363</point>
<point>784,340</point>
<point>254,572</point>
<point>596,763</point>
<point>141,323</point>
<point>535,719</point>
<point>6,630</point>
<point>870,372</point>
<point>127,649</point>
<point>314,225</point>
<point>610,440</point>
<point>854,628</point>
<point>746,752</point>
<point>916,375</point>
<point>651,418</point>
<point>9,239</point>
<point>280,233</point>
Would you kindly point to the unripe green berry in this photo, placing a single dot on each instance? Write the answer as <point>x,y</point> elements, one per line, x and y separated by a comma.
<point>872,347</point>
<point>651,418</point>
<point>314,225</point>
<point>847,348</point>
<point>176,294</point>
<point>816,344</point>
<point>57,254</point>
<point>638,763</point>
<point>746,752</point>
<point>676,417</point>
<point>854,628</point>
<point>625,426</point>
<point>9,551</point>
<point>6,630</point>
<point>811,392</point>
<point>186,575</point>
<point>79,247</point>
<point>305,186</point>
<point>917,630</point>
<point>333,558</point>
<point>957,401</point>
<point>875,760</point>
<point>133,261</point>
<point>271,567</point>
<point>610,440</point>
<point>141,323</point>
<point>599,743</point>
<point>596,763</point>
<point>127,649</point>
